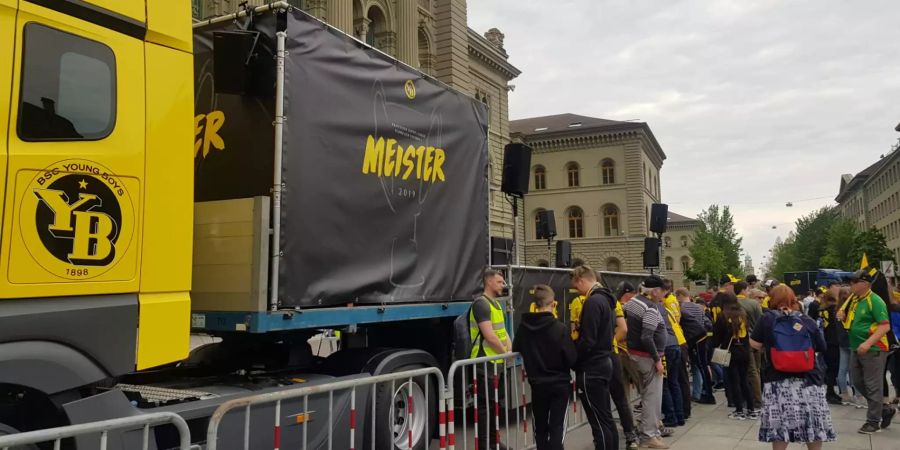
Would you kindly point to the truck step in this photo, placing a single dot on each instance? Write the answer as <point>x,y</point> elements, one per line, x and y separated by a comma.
<point>153,396</point>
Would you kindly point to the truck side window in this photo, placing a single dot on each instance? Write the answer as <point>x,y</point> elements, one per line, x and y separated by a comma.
<point>68,87</point>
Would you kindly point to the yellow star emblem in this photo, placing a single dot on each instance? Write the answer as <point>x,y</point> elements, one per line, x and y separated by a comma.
<point>82,184</point>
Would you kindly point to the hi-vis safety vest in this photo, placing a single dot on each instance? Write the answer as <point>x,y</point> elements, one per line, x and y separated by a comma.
<point>498,323</point>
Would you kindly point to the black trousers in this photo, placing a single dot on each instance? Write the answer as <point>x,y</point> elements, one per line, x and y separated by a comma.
<point>738,383</point>
<point>593,390</point>
<point>549,405</point>
<point>488,432</point>
<point>685,384</point>
<point>832,363</point>
<point>618,392</point>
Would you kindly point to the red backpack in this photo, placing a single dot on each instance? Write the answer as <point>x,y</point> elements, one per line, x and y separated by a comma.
<point>792,344</point>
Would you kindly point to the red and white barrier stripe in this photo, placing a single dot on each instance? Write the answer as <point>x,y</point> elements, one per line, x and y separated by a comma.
<point>475,404</point>
<point>574,398</point>
<point>442,424</point>
<point>277,425</point>
<point>496,408</point>
<point>409,411</point>
<point>524,410</point>
<point>352,418</point>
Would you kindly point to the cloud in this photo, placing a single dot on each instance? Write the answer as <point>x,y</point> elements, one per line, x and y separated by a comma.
<point>756,102</point>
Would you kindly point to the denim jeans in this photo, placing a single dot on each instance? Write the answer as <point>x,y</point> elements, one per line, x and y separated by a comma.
<point>672,404</point>
<point>843,370</point>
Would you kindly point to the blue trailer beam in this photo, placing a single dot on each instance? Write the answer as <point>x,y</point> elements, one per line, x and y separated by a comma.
<point>265,322</point>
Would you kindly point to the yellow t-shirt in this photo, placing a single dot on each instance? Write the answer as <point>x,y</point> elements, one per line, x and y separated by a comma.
<point>765,303</point>
<point>619,313</point>
<point>674,312</point>
<point>575,315</point>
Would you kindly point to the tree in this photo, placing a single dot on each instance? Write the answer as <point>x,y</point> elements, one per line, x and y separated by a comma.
<point>841,252</point>
<point>784,257</point>
<point>811,237</point>
<point>874,245</point>
<point>716,247</point>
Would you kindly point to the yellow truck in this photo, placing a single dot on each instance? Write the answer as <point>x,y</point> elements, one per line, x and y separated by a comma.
<point>253,180</point>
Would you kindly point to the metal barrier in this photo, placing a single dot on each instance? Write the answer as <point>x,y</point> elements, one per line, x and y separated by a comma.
<point>512,371</point>
<point>144,421</point>
<point>305,392</point>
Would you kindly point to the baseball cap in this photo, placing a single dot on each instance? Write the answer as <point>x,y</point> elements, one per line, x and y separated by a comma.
<point>770,283</point>
<point>728,278</point>
<point>867,274</point>
<point>624,288</point>
<point>653,281</point>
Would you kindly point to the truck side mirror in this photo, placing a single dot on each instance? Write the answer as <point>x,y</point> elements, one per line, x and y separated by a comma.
<point>233,53</point>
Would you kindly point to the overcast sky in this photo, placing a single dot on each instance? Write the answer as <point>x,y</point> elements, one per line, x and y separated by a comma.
<point>756,103</point>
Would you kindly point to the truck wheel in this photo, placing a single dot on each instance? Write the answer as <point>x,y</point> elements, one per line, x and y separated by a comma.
<point>392,414</point>
<point>6,430</point>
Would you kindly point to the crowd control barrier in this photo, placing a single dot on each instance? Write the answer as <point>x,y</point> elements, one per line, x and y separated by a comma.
<point>102,429</point>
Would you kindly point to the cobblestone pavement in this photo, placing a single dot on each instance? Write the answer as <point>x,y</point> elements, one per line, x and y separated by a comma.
<point>710,429</point>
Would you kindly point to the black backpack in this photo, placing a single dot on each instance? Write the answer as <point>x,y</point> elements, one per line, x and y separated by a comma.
<point>694,327</point>
<point>462,340</point>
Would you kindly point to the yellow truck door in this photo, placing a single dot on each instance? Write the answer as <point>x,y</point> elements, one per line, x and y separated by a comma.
<point>73,206</point>
<point>7,43</point>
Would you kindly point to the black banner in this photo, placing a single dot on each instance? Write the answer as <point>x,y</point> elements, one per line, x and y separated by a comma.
<point>384,170</point>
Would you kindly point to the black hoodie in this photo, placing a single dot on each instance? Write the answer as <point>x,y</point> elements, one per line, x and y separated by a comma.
<point>547,350</point>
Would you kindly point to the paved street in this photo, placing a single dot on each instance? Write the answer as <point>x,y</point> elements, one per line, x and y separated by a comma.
<point>710,429</point>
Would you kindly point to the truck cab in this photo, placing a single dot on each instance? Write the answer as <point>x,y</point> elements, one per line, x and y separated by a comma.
<point>96,187</point>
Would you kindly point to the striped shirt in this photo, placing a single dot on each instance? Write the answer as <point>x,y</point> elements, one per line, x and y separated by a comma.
<point>646,330</point>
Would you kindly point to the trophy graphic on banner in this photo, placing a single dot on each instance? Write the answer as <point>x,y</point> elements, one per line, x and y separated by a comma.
<point>410,167</point>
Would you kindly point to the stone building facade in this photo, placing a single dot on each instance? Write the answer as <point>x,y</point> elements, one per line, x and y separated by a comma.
<point>676,252</point>
<point>871,198</point>
<point>433,37</point>
<point>599,177</point>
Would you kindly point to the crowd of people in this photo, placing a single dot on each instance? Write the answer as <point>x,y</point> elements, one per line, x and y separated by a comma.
<point>779,359</point>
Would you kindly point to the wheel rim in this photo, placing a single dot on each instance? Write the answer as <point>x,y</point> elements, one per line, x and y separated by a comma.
<point>400,419</point>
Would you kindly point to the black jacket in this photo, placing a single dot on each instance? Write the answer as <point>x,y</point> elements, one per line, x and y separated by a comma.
<point>595,334</point>
<point>547,350</point>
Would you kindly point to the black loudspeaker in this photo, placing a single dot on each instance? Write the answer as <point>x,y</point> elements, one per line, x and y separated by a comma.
<point>659,213</point>
<point>501,251</point>
<point>546,224</point>
<point>233,52</point>
<point>516,169</point>
<point>563,254</point>
<point>651,252</point>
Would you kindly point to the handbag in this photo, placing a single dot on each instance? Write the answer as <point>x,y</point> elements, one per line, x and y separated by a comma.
<point>722,356</point>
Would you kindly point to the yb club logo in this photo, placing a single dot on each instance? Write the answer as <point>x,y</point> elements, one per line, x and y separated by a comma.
<point>77,219</point>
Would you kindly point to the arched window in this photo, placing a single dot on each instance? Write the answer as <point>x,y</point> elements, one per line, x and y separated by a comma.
<point>608,171</point>
<point>576,222</point>
<point>540,178</point>
<point>613,265</point>
<point>572,171</point>
<point>426,55</point>
<point>685,264</point>
<point>684,241</point>
<point>537,221</point>
<point>543,263</point>
<point>610,220</point>
<point>377,25</point>
<point>667,241</point>
<point>670,263</point>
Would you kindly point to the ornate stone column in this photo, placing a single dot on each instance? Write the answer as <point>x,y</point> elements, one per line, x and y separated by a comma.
<point>340,15</point>
<point>407,34</point>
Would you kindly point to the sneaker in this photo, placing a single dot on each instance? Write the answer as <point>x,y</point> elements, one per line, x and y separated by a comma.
<point>631,445</point>
<point>860,402</point>
<point>869,428</point>
<point>887,415</point>
<point>718,386</point>
<point>833,399</point>
<point>654,443</point>
<point>846,399</point>
<point>666,431</point>
<point>707,401</point>
<point>737,415</point>
<point>754,414</point>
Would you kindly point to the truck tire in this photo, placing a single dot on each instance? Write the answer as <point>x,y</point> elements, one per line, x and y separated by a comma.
<point>6,430</point>
<point>392,420</point>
